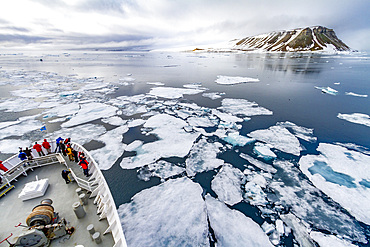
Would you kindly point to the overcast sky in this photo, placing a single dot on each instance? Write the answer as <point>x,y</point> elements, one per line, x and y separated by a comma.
<point>173,23</point>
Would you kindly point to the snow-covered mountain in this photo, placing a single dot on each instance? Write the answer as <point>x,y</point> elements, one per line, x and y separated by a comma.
<point>315,38</point>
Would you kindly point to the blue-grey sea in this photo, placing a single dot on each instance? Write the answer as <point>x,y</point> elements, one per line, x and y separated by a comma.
<point>292,200</point>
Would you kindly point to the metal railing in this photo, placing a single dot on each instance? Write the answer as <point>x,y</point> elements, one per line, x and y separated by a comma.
<point>96,184</point>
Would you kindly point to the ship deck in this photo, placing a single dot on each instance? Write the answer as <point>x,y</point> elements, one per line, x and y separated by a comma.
<point>14,211</point>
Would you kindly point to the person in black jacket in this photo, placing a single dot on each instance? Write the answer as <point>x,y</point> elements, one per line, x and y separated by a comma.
<point>65,176</point>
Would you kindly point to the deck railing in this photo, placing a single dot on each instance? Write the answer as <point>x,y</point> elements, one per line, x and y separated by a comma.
<point>96,184</point>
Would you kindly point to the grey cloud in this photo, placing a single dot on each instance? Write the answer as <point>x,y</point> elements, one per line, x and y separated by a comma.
<point>25,39</point>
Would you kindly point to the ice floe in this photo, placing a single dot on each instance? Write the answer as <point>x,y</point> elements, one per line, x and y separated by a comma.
<point>325,240</point>
<point>263,151</point>
<point>62,110</point>
<point>18,105</point>
<point>201,121</point>
<point>236,139</point>
<point>328,90</point>
<point>173,93</point>
<point>299,131</point>
<point>115,120</point>
<point>278,137</point>
<point>173,141</point>
<point>232,228</point>
<point>243,107</point>
<point>230,80</point>
<point>343,175</point>
<point>227,184</point>
<point>358,118</point>
<point>113,149</point>
<point>21,128</point>
<point>356,95</point>
<point>90,112</point>
<point>161,169</point>
<point>180,221</point>
<point>261,165</point>
<point>213,96</point>
<point>11,146</point>
<point>203,157</point>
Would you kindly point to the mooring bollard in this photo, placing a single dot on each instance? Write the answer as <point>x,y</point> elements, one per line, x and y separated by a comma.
<point>90,228</point>
<point>79,210</point>
<point>96,237</point>
<point>83,199</point>
<point>79,191</point>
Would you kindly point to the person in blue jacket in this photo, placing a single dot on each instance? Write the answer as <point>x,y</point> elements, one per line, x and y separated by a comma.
<point>22,156</point>
<point>59,140</point>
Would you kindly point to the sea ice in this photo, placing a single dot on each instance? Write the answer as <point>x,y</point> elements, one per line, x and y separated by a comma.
<point>261,165</point>
<point>115,120</point>
<point>325,240</point>
<point>328,90</point>
<point>203,157</point>
<point>113,149</point>
<point>11,146</point>
<point>341,174</point>
<point>227,184</point>
<point>81,134</point>
<point>135,122</point>
<point>232,228</point>
<point>62,110</point>
<point>358,118</point>
<point>134,145</point>
<point>230,80</point>
<point>173,141</point>
<point>173,93</point>
<point>226,117</point>
<point>156,83</point>
<point>170,214</point>
<point>279,138</point>
<point>90,112</point>
<point>161,169</point>
<point>300,231</point>
<point>243,107</point>
<point>236,139</point>
<point>21,128</point>
<point>254,194</point>
<point>213,96</point>
<point>8,123</point>
<point>299,131</point>
<point>356,95</point>
<point>201,122</point>
<point>18,105</point>
<point>263,151</point>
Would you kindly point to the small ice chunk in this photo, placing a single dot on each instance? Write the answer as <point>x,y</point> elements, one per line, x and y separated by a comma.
<point>279,138</point>
<point>115,120</point>
<point>170,214</point>
<point>213,96</point>
<point>243,107</point>
<point>358,118</point>
<point>328,90</point>
<point>232,228</point>
<point>236,139</point>
<point>231,80</point>
<point>268,228</point>
<point>203,157</point>
<point>156,83</point>
<point>356,95</point>
<point>173,93</point>
<point>261,165</point>
<point>254,194</point>
<point>326,240</point>
<point>90,112</point>
<point>136,122</point>
<point>280,227</point>
<point>227,184</point>
<point>113,149</point>
<point>263,151</point>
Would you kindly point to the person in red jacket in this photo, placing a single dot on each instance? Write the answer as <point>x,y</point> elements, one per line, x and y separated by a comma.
<point>47,146</point>
<point>85,166</point>
<point>2,167</point>
<point>38,149</point>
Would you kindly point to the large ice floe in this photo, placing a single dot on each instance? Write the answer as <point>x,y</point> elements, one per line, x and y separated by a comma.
<point>278,137</point>
<point>243,107</point>
<point>358,118</point>
<point>173,93</point>
<point>90,112</point>
<point>343,175</point>
<point>173,141</point>
<point>232,228</point>
<point>227,184</point>
<point>230,80</point>
<point>180,221</point>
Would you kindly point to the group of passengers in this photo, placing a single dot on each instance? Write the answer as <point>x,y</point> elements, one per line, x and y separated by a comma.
<point>62,146</point>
